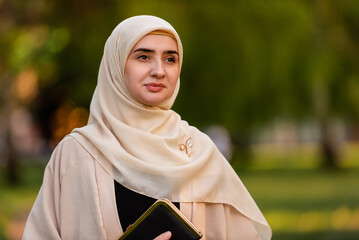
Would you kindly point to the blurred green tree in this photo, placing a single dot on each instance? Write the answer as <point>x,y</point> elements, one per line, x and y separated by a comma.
<point>250,63</point>
<point>246,63</point>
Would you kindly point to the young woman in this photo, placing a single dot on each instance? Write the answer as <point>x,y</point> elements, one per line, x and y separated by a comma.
<point>135,149</point>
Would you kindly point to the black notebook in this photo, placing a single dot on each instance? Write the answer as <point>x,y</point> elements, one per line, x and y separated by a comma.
<point>161,217</point>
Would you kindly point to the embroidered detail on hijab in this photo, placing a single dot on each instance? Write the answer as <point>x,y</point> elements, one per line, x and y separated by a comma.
<point>187,146</point>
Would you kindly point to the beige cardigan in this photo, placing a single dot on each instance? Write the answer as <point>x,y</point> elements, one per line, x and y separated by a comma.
<point>77,201</point>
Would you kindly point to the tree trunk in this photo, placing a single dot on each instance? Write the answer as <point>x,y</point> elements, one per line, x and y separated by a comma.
<point>11,158</point>
<point>241,151</point>
<point>329,145</point>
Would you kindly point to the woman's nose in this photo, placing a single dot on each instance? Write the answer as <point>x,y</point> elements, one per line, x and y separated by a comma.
<point>157,70</point>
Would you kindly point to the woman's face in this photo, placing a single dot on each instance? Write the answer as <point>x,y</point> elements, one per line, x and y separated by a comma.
<point>152,69</point>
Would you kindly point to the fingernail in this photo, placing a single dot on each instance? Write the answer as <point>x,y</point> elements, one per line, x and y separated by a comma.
<point>167,234</point>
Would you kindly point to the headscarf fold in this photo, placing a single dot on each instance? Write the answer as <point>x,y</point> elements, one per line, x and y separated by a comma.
<point>151,150</point>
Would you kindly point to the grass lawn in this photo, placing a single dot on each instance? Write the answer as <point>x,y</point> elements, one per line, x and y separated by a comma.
<point>300,201</point>
<point>16,201</point>
<point>307,203</point>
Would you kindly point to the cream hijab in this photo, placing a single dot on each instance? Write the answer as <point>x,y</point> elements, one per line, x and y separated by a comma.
<point>150,149</point>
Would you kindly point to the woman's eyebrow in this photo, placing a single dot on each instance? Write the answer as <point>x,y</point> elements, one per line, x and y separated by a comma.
<point>171,52</point>
<point>143,50</point>
<point>151,51</point>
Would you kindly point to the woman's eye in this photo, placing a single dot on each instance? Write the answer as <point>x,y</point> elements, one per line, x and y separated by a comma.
<point>142,57</point>
<point>171,59</point>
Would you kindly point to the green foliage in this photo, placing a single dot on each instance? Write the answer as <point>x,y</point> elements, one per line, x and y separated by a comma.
<point>246,63</point>
<point>259,58</point>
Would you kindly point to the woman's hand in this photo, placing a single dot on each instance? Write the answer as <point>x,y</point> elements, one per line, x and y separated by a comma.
<point>164,236</point>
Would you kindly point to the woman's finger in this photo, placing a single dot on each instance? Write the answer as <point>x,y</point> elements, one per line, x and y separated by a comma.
<point>164,236</point>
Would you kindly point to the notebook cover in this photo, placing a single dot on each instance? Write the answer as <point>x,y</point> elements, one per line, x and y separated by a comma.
<point>162,216</point>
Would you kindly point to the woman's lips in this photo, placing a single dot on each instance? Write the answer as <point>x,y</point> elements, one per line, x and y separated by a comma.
<point>155,87</point>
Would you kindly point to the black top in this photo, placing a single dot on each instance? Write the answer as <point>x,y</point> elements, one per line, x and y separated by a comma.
<point>131,205</point>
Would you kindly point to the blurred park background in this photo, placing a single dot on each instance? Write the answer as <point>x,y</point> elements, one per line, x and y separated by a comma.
<point>275,82</point>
